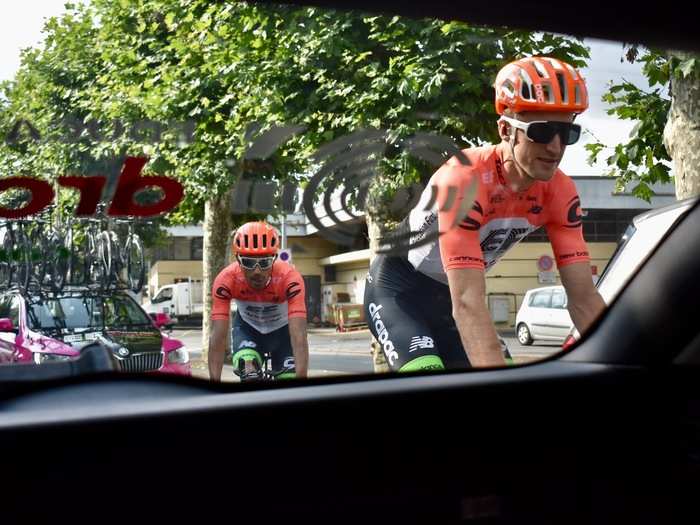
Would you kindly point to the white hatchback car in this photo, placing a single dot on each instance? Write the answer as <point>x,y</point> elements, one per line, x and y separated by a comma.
<point>543,316</point>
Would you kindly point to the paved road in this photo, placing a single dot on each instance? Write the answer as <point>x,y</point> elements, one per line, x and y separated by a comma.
<point>346,353</point>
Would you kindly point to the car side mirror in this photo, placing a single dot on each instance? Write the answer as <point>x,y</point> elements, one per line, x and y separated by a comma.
<point>6,325</point>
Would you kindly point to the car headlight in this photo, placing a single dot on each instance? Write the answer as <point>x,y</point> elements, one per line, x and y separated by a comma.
<point>40,358</point>
<point>179,356</point>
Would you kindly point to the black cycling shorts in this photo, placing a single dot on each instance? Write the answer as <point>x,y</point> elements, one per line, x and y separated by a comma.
<point>277,343</point>
<point>410,315</point>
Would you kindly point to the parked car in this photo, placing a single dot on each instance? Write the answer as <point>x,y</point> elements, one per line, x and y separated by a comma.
<point>40,329</point>
<point>543,316</point>
<point>183,300</point>
<point>636,245</point>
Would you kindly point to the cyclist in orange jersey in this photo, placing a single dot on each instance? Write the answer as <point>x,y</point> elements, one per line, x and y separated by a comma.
<point>427,307</point>
<point>271,309</point>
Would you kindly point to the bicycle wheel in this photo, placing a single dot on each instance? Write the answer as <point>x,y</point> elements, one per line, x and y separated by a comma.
<point>77,244</point>
<point>94,266</point>
<point>116,258</point>
<point>39,254</point>
<point>103,264</point>
<point>22,270</point>
<point>58,259</point>
<point>135,263</point>
<point>5,258</point>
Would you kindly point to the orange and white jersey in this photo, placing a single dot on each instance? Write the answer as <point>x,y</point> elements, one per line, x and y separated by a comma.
<point>498,219</point>
<point>265,310</point>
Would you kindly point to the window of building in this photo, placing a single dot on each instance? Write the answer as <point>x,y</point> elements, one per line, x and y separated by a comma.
<point>197,249</point>
<point>329,274</point>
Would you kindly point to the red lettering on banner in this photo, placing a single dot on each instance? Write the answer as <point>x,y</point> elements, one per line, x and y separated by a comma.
<point>42,195</point>
<point>131,182</point>
<point>90,189</point>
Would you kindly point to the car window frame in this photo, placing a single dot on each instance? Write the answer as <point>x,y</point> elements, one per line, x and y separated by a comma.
<point>160,296</point>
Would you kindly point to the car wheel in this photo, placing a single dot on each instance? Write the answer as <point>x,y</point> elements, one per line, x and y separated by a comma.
<point>524,336</point>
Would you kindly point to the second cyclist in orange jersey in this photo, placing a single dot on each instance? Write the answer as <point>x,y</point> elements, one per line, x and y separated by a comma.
<point>267,309</point>
<point>270,309</point>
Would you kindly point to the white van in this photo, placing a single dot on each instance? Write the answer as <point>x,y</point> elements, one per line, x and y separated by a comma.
<point>183,300</point>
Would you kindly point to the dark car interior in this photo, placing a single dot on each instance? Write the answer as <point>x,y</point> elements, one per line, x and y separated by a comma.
<point>607,433</point>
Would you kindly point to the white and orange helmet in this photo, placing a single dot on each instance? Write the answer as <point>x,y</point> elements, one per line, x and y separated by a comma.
<point>540,84</point>
<point>255,239</point>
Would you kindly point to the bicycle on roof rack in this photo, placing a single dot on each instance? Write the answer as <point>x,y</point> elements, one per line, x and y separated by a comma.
<point>83,252</point>
<point>32,254</point>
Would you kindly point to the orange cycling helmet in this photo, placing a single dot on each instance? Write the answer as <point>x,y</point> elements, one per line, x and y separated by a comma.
<point>256,239</point>
<point>540,84</point>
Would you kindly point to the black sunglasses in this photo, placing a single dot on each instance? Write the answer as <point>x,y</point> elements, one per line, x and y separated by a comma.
<point>544,131</point>
<point>249,263</point>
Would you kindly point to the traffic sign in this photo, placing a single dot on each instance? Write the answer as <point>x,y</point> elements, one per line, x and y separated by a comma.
<point>545,263</point>
<point>285,255</point>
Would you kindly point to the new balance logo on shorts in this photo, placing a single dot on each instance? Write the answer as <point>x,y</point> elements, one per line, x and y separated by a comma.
<point>421,342</point>
<point>247,344</point>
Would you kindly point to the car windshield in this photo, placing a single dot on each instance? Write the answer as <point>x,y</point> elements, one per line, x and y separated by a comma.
<point>295,191</point>
<point>85,313</point>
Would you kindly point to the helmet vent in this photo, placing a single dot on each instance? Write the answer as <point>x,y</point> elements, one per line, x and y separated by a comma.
<point>525,90</point>
<point>245,240</point>
<point>540,70</point>
<point>273,242</point>
<point>255,240</point>
<point>577,94</point>
<point>547,92</point>
<point>562,88</point>
<point>572,71</point>
<point>264,241</point>
<point>508,88</point>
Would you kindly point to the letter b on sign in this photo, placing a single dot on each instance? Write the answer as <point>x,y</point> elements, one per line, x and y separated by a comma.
<point>131,182</point>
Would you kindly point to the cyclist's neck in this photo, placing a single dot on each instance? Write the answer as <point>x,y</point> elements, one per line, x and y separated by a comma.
<point>254,287</point>
<point>516,178</point>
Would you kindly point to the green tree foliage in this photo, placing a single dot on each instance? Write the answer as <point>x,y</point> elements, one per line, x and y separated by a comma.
<point>643,159</point>
<point>233,67</point>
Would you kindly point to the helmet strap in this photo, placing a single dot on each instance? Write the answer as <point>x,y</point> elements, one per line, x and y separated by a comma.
<point>511,143</point>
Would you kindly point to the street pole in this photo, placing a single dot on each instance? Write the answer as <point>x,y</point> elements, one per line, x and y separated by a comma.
<point>284,231</point>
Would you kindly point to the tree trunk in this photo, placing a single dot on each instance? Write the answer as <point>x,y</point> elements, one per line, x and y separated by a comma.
<point>374,232</point>
<point>682,132</point>
<point>217,229</point>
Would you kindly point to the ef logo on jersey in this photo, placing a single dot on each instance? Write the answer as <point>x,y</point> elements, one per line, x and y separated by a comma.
<point>574,216</point>
<point>222,292</point>
<point>292,290</point>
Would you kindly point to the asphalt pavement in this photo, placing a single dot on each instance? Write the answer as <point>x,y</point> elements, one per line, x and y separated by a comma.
<point>336,353</point>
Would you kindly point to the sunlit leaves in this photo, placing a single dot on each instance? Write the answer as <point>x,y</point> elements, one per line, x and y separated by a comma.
<point>643,158</point>
<point>223,66</point>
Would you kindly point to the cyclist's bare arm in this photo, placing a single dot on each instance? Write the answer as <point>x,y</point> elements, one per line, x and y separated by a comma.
<point>217,348</point>
<point>300,345</point>
<point>473,320</point>
<point>584,302</point>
